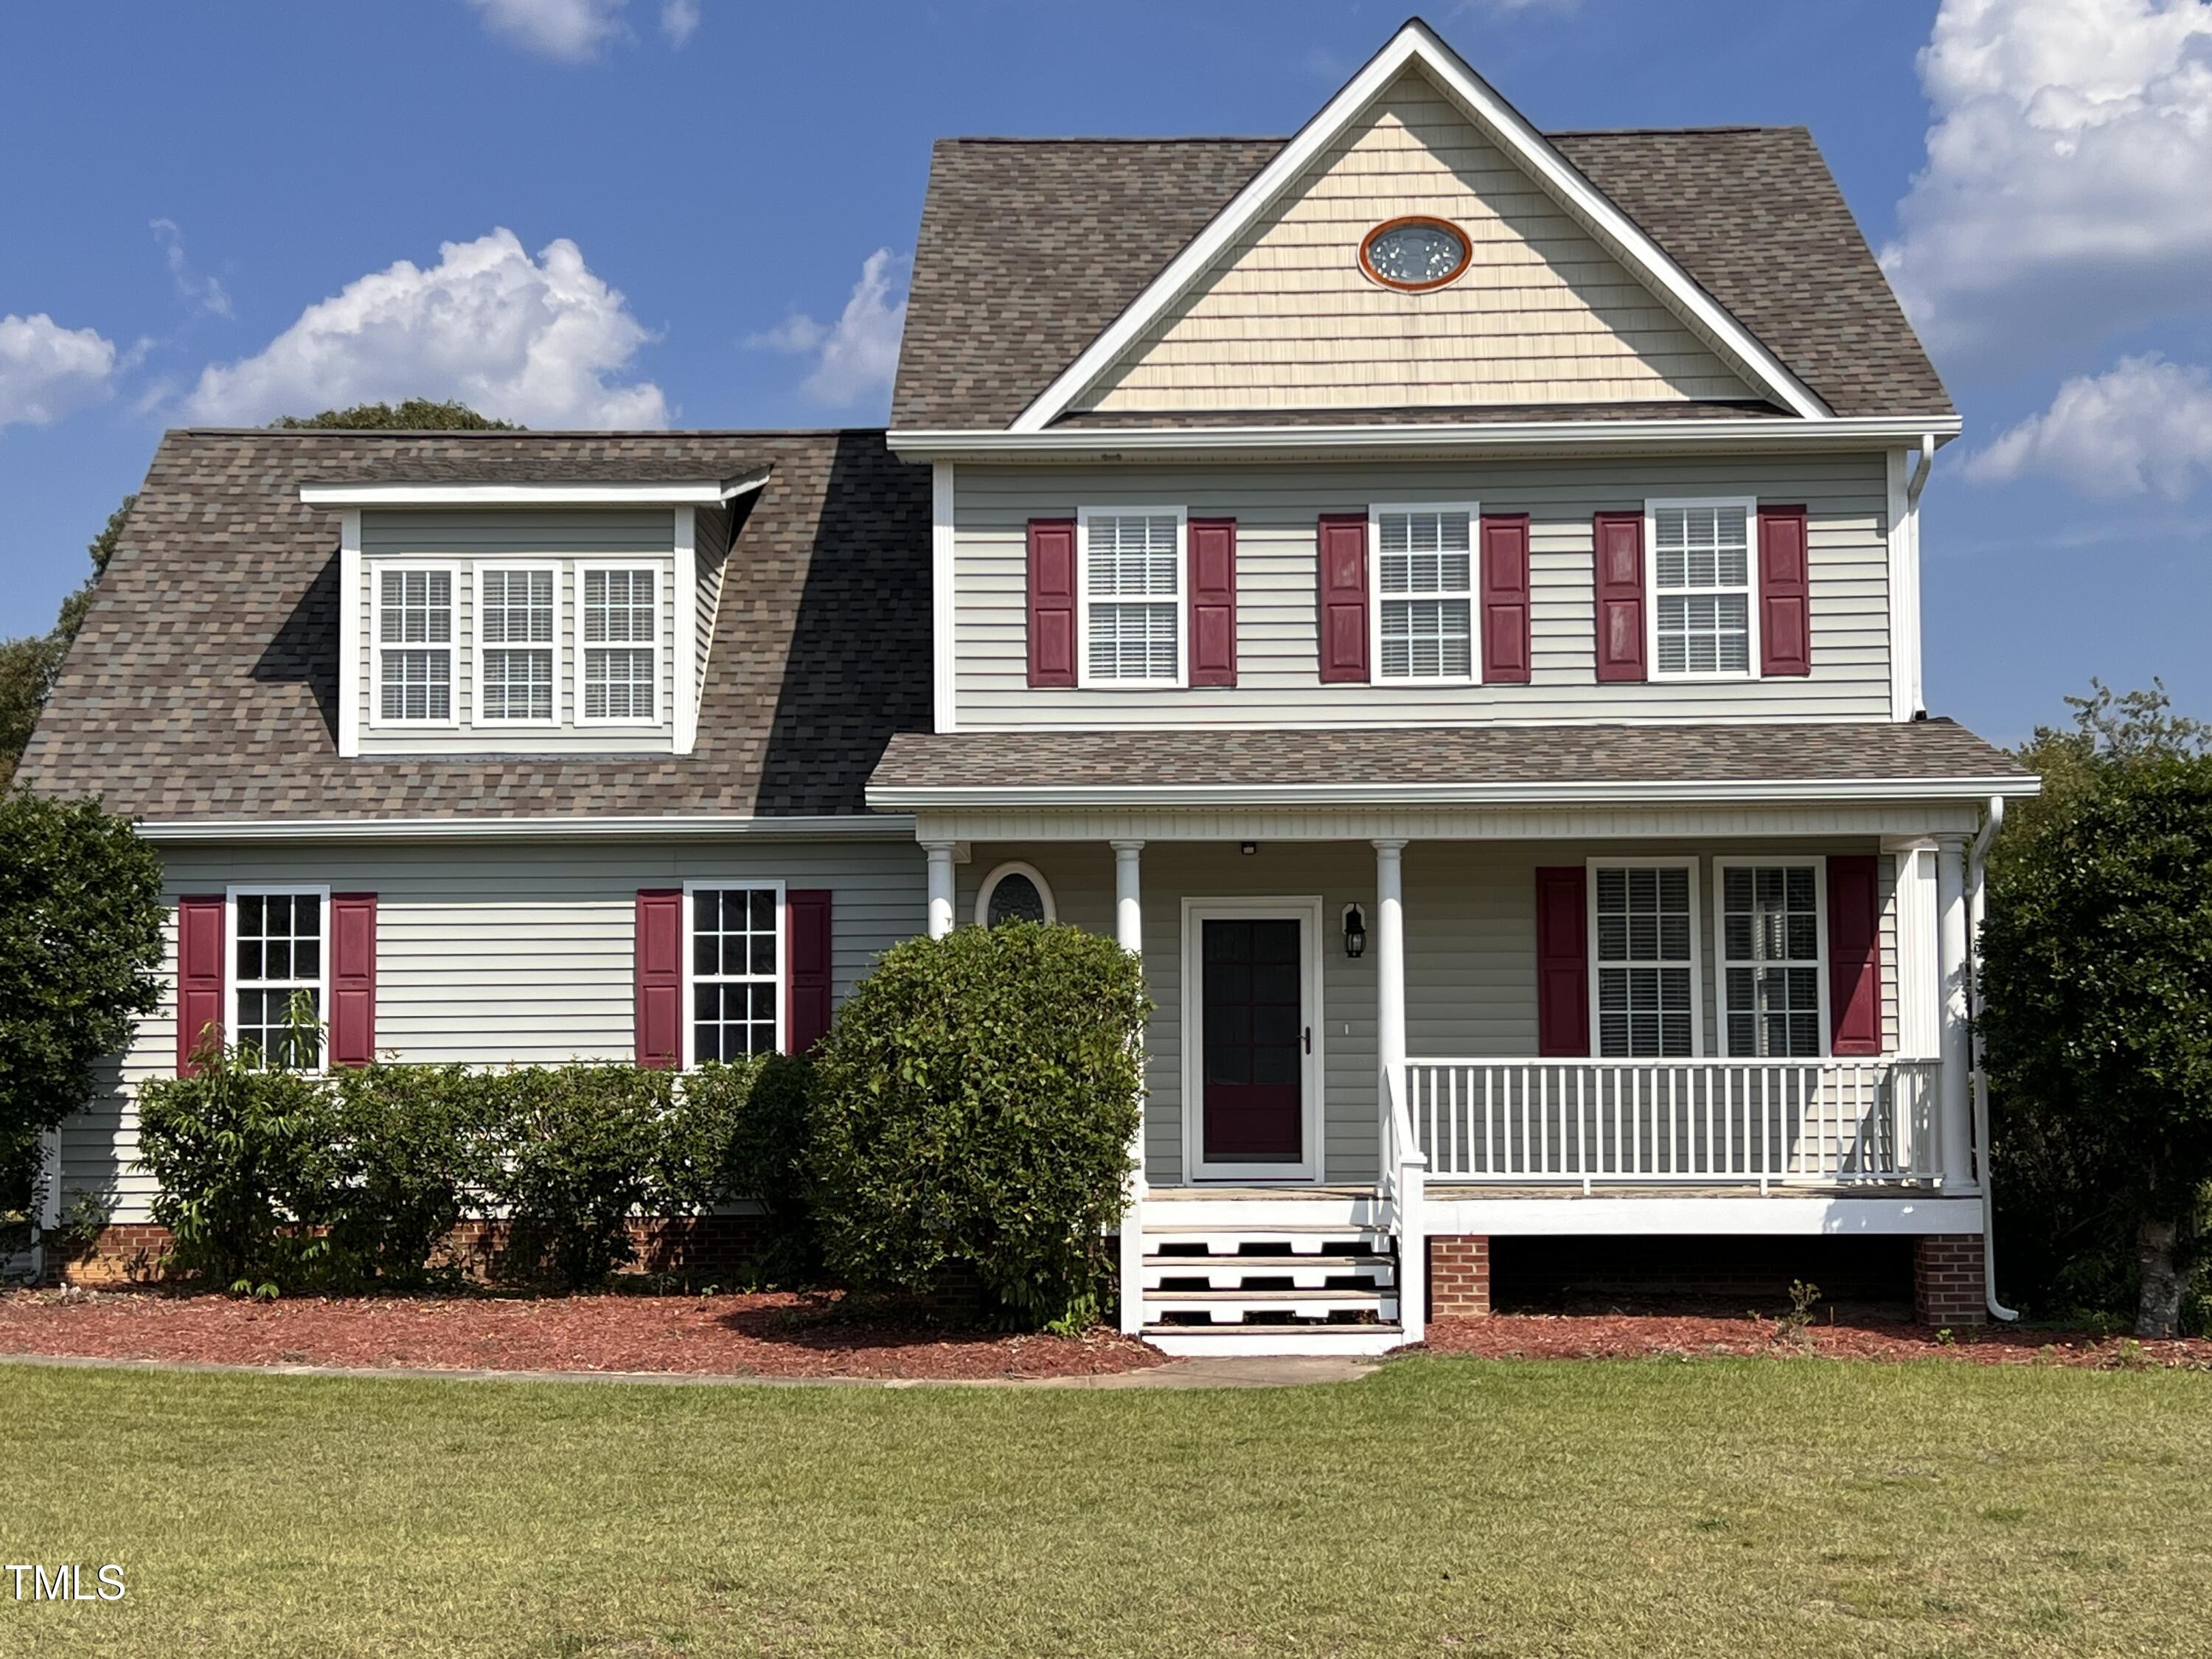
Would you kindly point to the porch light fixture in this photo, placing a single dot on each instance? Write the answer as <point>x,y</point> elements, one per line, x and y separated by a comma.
<point>1355,933</point>
<point>1248,847</point>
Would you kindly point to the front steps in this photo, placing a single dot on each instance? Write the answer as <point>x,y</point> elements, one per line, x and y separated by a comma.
<point>1269,1275</point>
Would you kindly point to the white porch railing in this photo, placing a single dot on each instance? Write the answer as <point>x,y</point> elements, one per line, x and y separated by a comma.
<point>1676,1121</point>
<point>1403,1190</point>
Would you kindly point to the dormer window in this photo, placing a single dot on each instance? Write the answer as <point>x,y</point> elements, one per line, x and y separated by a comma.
<point>620,630</point>
<point>414,647</point>
<point>514,644</point>
<point>1413,254</point>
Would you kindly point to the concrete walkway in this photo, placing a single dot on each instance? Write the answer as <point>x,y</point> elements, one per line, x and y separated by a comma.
<point>1282,1373</point>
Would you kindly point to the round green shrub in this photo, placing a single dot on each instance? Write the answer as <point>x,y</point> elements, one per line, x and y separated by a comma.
<point>571,1153</point>
<point>974,1106</point>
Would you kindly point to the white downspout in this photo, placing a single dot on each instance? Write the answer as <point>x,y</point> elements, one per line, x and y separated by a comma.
<point>1976,905</point>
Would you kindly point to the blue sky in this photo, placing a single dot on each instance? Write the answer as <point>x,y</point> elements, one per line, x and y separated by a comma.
<point>662,212</point>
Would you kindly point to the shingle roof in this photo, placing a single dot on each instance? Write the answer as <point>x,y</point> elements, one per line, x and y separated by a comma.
<point>204,685</point>
<point>1284,760</point>
<point>1024,257</point>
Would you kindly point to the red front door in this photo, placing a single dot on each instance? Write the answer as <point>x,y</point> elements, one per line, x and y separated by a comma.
<point>1253,1042</point>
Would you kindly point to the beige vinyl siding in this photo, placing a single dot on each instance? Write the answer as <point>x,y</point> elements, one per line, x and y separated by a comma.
<point>495,954</point>
<point>1276,509</point>
<point>1287,319</point>
<point>565,538</point>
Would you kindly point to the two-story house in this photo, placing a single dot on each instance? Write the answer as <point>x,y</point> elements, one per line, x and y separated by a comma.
<point>1445,594</point>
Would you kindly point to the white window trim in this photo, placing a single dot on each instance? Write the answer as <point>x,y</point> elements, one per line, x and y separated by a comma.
<point>1181,598</point>
<point>720,884</point>
<point>231,894</point>
<point>1375,512</point>
<point>377,646</point>
<point>660,568</point>
<point>1723,962</point>
<point>478,645</point>
<point>1013,867</point>
<point>1696,963</point>
<point>1651,507</point>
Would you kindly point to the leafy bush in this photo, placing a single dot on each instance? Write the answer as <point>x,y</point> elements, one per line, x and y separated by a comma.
<point>571,1152</point>
<point>741,1129</point>
<point>406,1151</point>
<point>974,1104</point>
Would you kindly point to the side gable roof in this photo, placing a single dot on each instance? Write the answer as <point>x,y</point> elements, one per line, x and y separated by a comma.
<point>204,685</point>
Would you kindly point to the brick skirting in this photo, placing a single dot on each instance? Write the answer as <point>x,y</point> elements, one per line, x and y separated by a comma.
<point>1459,1276</point>
<point>1947,1279</point>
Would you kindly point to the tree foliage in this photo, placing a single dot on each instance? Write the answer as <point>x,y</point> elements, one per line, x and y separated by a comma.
<point>409,415</point>
<point>80,944</point>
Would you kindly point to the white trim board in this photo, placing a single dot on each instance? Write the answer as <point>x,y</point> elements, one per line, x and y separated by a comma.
<point>873,826</point>
<point>1728,1215</point>
<point>943,558</point>
<point>579,492</point>
<point>1377,793</point>
<point>1416,46</point>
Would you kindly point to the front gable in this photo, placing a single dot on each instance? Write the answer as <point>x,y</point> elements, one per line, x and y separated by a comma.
<point>1286,317</point>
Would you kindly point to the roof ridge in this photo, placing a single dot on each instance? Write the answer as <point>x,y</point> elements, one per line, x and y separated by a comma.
<point>644,433</point>
<point>1277,138</point>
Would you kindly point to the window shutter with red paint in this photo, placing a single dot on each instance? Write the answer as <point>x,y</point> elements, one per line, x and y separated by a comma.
<point>1505,592</point>
<point>1854,956</point>
<point>353,978</point>
<point>1213,601</point>
<point>806,967</point>
<point>199,976</point>
<point>1620,573</point>
<point>1785,603</point>
<point>1562,962</point>
<point>1052,602</point>
<point>1343,543</point>
<point>660,978</point>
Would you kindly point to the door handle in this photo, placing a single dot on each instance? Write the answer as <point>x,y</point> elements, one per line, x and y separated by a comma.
<point>1309,1039</point>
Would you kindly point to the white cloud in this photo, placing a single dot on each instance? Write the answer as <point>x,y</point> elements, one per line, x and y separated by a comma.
<point>2144,425</point>
<point>2068,190</point>
<point>679,20</point>
<point>205,293</point>
<point>856,356</point>
<point>47,371</point>
<point>532,341</point>
<point>570,30</point>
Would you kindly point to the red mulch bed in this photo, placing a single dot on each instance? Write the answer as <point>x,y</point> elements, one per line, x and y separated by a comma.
<point>1647,1336</point>
<point>770,1334</point>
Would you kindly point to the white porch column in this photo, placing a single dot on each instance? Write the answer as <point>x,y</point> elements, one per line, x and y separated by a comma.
<point>1130,933</point>
<point>1390,956</point>
<point>1953,1098</point>
<point>940,886</point>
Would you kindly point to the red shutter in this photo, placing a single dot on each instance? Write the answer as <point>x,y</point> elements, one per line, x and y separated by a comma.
<point>199,976</point>
<point>1619,540</point>
<point>1505,591</point>
<point>1343,542</point>
<point>1785,601</point>
<point>1854,956</point>
<point>1562,962</point>
<point>353,978</point>
<point>1052,601</point>
<point>806,969</point>
<point>660,978</point>
<point>1213,601</point>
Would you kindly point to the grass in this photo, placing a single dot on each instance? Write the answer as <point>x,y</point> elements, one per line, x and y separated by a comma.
<point>1744,1508</point>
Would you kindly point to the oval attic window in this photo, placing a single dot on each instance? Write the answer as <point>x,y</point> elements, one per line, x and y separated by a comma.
<point>1014,892</point>
<point>1413,253</point>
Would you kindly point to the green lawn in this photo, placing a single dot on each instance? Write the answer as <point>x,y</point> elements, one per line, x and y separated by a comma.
<point>1744,1508</point>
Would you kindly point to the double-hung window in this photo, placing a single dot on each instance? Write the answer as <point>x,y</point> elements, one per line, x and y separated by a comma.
<point>1133,595</point>
<point>515,627</point>
<point>413,628</point>
<point>1771,949</point>
<point>1702,611</point>
<point>737,957</point>
<point>1644,921</point>
<point>621,649</point>
<point>277,969</point>
<point>1425,578</point>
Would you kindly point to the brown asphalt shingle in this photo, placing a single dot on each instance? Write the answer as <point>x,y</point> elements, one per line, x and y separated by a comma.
<point>1029,248</point>
<point>204,683</point>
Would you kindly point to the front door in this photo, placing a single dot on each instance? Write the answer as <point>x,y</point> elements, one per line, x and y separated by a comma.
<point>1254,1041</point>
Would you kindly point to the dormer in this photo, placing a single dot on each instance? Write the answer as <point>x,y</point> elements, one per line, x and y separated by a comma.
<point>563,618</point>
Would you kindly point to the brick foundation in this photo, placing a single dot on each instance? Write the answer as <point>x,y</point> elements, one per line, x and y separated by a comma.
<point>1459,1277</point>
<point>1947,1279</point>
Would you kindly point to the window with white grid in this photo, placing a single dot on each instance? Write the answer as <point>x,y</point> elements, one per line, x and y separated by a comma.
<point>515,620</point>
<point>276,958</point>
<point>1132,596</point>
<point>1647,960</point>
<point>736,962</point>
<point>415,646</point>
<point>1771,958</point>
<point>1425,574</point>
<point>621,629</point>
<point>1701,588</point>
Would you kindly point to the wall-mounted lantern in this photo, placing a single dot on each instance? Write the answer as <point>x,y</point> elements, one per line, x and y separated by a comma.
<point>1355,933</point>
